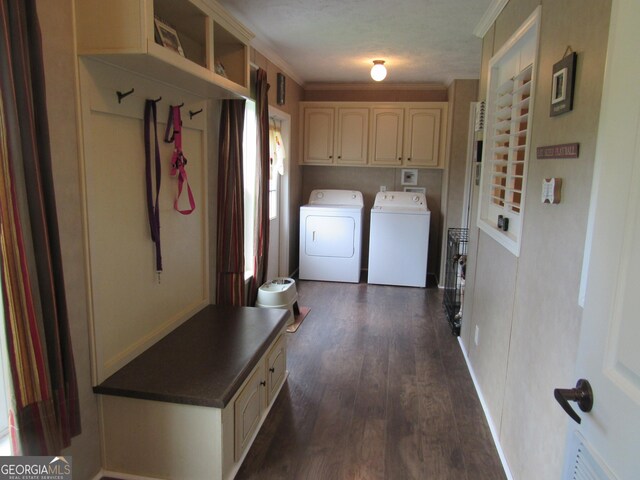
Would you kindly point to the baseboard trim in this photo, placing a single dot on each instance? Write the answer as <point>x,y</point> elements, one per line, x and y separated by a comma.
<point>121,476</point>
<point>487,414</point>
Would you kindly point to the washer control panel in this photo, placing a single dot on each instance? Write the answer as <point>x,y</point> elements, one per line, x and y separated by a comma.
<point>400,199</point>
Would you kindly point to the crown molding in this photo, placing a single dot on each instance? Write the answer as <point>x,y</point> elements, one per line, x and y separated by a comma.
<point>264,49</point>
<point>489,17</point>
<point>329,86</point>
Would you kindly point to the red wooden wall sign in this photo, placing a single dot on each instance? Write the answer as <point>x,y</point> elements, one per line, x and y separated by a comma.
<point>566,150</point>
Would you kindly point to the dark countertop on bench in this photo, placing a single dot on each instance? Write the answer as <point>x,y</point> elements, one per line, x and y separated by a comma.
<point>202,362</point>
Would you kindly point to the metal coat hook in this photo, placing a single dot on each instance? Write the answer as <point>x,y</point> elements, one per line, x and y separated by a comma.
<point>193,114</point>
<point>122,95</point>
<point>181,105</point>
<point>157,100</point>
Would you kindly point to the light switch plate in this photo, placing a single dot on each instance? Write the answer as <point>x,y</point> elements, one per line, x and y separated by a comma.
<point>551,190</point>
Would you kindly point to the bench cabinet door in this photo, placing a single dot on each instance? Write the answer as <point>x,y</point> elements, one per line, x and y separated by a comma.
<point>248,409</point>
<point>276,367</point>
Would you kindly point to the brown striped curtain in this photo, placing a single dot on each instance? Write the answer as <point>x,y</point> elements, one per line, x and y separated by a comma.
<point>261,248</point>
<point>230,236</point>
<point>35,311</point>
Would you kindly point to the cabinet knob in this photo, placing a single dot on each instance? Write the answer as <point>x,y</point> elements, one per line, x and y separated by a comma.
<point>272,369</point>
<point>408,159</point>
<point>400,158</point>
<point>330,156</point>
<point>339,156</point>
<point>263,383</point>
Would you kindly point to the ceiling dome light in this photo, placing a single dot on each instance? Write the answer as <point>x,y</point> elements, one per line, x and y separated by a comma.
<point>378,71</point>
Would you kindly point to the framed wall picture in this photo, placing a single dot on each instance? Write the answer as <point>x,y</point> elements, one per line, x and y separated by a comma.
<point>562,85</point>
<point>168,37</point>
<point>409,176</point>
<point>281,87</point>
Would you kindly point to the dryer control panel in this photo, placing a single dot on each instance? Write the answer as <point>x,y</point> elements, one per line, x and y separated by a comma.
<point>336,197</point>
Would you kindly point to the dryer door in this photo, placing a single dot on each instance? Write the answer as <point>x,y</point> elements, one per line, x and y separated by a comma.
<point>330,236</point>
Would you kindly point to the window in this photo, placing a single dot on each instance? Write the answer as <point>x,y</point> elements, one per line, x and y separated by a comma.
<point>249,147</point>
<point>508,132</point>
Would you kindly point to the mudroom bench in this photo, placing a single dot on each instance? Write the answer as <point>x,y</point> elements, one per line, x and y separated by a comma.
<point>190,406</point>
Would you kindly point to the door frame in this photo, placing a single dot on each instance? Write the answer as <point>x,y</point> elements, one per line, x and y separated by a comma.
<point>284,192</point>
<point>472,159</point>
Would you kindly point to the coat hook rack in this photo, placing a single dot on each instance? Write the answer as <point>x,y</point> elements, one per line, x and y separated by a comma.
<point>193,114</point>
<point>122,95</point>
<point>157,100</point>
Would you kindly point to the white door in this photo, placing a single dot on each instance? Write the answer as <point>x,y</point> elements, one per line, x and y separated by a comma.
<point>609,357</point>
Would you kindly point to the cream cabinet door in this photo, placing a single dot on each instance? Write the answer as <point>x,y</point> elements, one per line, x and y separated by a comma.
<point>386,136</point>
<point>422,137</point>
<point>248,409</point>
<point>352,136</point>
<point>318,135</point>
<point>276,367</point>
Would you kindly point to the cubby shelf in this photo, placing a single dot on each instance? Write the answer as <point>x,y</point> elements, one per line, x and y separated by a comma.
<point>213,59</point>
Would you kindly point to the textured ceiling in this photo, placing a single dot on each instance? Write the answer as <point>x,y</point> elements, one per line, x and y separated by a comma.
<point>336,40</point>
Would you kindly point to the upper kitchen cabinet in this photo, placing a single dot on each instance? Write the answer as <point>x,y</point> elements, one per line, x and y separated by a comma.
<point>410,136</point>
<point>194,44</point>
<point>335,135</point>
<point>398,134</point>
<point>386,136</point>
<point>422,137</point>
<point>319,135</point>
<point>352,135</point>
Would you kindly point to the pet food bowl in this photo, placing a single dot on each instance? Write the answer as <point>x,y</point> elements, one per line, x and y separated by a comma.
<point>279,293</point>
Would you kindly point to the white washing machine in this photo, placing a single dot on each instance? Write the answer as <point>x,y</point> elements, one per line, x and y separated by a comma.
<point>399,239</point>
<point>331,236</point>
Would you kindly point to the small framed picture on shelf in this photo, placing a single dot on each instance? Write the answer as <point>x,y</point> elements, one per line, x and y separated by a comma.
<point>219,69</point>
<point>168,37</point>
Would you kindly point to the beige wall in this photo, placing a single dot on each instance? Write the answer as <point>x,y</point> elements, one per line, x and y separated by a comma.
<point>56,23</point>
<point>461,94</point>
<point>526,308</point>
<point>374,93</point>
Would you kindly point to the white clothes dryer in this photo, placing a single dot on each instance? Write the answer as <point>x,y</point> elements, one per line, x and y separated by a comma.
<point>399,239</point>
<point>331,236</point>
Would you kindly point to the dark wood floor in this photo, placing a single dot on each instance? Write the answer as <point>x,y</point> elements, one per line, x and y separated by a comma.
<point>377,389</point>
